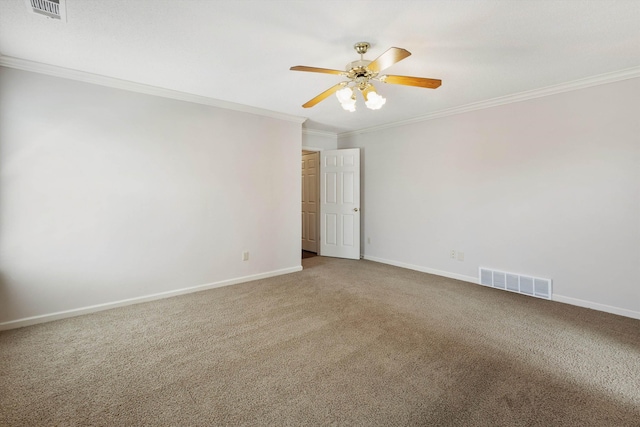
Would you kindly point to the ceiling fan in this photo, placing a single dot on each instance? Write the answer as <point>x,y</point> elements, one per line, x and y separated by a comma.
<point>361,73</point>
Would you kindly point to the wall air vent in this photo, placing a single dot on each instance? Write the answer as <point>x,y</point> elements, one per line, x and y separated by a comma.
<point>527,285</point>
<point>54,9</point>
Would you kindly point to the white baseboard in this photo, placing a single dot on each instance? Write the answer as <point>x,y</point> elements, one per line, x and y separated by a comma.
<point>555,297</point>
<point>424,269</point>
<point>19,323</point>
<point>597,306</point>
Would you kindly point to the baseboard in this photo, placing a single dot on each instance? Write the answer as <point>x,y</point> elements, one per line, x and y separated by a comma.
<point>555,297</point>
<point>597,306</point>
<point>19,323</point>
<point>424,269</point>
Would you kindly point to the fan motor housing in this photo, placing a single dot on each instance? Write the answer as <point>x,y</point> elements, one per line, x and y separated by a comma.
<point>362,63</point>
<point>359,68</point>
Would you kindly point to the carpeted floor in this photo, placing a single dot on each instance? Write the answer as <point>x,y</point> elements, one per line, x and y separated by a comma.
<point>340,343</point>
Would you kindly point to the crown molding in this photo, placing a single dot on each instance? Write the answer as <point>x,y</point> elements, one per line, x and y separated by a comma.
<point>82,76</point>
<point>315,132</point>
<point>97,79</point>
<point>600,79</point>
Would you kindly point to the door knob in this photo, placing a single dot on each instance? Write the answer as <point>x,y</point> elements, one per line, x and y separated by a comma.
<point>355,209</point>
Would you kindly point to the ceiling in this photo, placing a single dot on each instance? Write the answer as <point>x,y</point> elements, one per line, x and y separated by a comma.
<point>241,50</point>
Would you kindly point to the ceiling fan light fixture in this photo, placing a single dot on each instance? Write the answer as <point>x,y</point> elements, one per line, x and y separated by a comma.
<point>374,101</point>
<point>347,98</point>
<point>344,95</point>
<point>351,106</point>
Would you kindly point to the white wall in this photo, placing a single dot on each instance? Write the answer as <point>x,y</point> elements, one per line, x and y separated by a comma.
<point>108,195</point>
<point>317,141</point>
<point>548,187</point>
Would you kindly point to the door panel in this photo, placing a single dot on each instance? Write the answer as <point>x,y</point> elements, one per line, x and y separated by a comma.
<point>331,190</point>
<point>340,203</point>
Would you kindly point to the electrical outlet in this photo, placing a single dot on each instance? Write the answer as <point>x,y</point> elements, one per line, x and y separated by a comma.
<point>245,256</point>
<point>453,254</point>
<point>368,240</point>
<point>460,256</point>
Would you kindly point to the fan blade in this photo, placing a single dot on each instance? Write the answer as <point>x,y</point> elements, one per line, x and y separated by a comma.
<point>387,59</point>
<point>411,81</point>
<point>317,70</point>
<point>323,95</point>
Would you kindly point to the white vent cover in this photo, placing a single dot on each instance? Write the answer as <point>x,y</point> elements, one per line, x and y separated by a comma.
<point>55,9</point>
<point>527,285</point>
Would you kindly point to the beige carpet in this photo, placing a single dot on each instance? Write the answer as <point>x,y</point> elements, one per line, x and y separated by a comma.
<point>340,343</point>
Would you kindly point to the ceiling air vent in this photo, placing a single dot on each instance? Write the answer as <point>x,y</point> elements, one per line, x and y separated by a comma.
<point>54,9</point>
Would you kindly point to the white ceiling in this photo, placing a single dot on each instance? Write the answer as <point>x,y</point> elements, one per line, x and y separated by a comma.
<point>240,51</point>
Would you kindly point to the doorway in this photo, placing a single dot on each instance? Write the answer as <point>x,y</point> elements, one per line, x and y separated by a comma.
<point>310,203</point>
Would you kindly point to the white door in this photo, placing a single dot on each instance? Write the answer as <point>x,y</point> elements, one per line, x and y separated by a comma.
<point>310,209</point>
<point>340,203</point>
